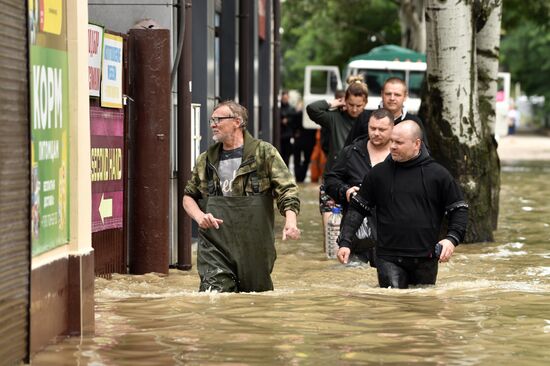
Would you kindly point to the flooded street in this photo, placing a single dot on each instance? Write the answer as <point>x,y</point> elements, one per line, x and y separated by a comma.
<point>490,305</point>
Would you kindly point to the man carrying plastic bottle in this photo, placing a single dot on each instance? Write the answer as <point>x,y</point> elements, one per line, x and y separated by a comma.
<point>356,160</point>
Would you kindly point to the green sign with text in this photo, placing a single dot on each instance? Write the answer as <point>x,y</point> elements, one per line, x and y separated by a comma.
<point>49,129</point>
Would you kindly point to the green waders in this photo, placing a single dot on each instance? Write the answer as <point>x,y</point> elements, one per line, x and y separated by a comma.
<point>239,256</point>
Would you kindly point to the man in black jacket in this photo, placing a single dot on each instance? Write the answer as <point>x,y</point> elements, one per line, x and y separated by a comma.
<point>356,160</point>
<point>411,194</point>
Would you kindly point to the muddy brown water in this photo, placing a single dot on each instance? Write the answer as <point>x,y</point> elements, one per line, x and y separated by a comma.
<point>491,304</point>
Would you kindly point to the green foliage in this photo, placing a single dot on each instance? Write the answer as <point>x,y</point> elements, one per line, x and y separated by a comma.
<point>329,32</point>
<point>516,12</point>
<point>525,45</point>
<point>525,53</point>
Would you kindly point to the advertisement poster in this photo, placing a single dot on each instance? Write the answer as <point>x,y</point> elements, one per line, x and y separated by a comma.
<point>95,52</point>
<point>111,78</point>
<point>107,142</point>
<point>49,115</point>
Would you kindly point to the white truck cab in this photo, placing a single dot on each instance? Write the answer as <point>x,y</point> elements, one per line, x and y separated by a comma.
<point>320,82</point>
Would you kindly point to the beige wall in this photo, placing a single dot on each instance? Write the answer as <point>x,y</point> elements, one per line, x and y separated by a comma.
<point>81,197</point>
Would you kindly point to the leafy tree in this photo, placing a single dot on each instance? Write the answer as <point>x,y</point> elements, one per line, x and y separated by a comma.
<point>461,76</point>
<point>330,32</point>
<point>525,45</point>
<point>517,12</point>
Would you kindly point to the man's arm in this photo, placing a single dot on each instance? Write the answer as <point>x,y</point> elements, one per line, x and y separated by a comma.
<point>458,219</point>
<point>290,229</point>
<point>205,220</point>
<point>284,190</point>
<point>335,178</point>
<point>283,184</point>
<point>357,211</point>
<point>319,112</point>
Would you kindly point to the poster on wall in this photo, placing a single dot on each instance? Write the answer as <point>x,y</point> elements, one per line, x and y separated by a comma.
<point>107,143</point>
<point>111,73</point>
<point>49,118</point>
<point>95,52</point>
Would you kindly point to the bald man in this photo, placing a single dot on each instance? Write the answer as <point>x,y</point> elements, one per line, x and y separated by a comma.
<point>411,193</point>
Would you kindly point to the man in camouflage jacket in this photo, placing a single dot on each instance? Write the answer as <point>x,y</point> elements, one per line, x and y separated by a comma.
<point>230,196</point>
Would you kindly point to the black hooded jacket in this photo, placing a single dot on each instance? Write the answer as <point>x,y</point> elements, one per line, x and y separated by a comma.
<point>411,199</point>
<point>348,170</point>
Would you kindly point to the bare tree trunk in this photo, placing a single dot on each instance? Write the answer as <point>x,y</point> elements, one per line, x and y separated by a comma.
<point>413,25</point>
<point>458,138</point>
<point>488,18</point>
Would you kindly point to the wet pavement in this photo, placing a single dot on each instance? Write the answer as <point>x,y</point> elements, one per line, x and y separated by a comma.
<point>489,306</point>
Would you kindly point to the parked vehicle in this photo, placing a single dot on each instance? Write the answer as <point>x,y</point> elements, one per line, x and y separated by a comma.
<point>376,66</point>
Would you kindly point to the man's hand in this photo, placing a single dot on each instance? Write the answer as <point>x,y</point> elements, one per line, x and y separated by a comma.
<point>291,230</point>
<point>351,191</point>
<point>343,255</point>
<point>447,250</point>
<point>207,221</point>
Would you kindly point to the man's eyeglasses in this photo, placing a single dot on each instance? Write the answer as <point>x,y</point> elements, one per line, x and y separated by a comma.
<point>217,120</point>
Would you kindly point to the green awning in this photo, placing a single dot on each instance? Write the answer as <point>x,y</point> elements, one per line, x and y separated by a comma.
<point>391,53</point>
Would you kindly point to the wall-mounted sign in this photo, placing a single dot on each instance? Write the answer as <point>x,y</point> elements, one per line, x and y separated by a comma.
<point>107,143</point>
<point>111,78</point>
<point>95,51</point>
<point>49,125</point>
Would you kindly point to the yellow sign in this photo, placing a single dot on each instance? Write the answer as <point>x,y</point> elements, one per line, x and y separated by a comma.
<point>51,16</point>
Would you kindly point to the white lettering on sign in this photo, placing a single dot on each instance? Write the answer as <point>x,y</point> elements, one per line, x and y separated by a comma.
<point>48,150</point>
<point>48,185</point>
<point>47,97</point>
<point>106,164</point>
<point>49,220</point>
<point>48,201</point>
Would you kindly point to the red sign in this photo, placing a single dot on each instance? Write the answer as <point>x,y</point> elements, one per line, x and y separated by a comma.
<point>107,143</point>
<point>261,20</point>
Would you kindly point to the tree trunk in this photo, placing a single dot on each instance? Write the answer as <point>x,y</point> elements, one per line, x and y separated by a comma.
<point>413,25</point>
<point>488,18</point>
<point>458,138</point>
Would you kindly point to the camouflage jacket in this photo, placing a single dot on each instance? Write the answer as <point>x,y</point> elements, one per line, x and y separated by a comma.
<point>262,170</point>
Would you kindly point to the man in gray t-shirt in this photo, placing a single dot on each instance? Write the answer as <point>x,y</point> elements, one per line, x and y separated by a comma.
<point>230,160</point>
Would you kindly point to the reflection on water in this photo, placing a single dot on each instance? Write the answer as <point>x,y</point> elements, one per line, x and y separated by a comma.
<point>490,305</point>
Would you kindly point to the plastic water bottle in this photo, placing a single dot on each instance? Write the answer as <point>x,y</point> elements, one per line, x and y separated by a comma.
<point>332,232</point>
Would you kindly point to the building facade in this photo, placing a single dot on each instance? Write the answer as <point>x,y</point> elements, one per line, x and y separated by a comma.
<point>219,50</point>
